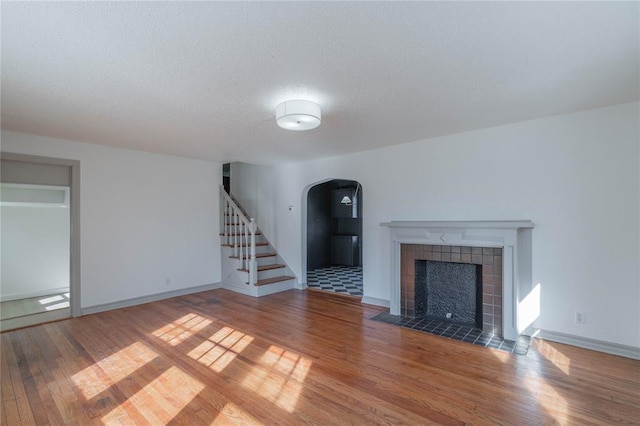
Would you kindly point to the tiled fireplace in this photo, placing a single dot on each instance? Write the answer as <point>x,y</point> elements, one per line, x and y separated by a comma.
<point>501,249</point>
<point>489,263</point>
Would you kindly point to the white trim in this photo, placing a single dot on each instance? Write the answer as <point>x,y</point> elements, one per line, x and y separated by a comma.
<point>367,300</point>
<point>146,299</point>
<point>454,224</point>
<point>39,293</point>
<point>588,343</point>
<point>64,189</point>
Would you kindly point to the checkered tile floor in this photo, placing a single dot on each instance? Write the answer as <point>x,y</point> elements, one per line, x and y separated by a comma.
<point>338,279</point>
<point>462,333</point>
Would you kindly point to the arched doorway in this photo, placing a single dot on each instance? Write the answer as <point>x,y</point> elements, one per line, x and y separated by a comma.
<point>334,237</point>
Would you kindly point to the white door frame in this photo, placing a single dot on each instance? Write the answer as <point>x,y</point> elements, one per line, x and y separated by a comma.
<point>74,259</point>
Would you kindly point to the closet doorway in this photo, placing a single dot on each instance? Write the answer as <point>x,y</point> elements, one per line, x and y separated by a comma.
<point>39,237</point>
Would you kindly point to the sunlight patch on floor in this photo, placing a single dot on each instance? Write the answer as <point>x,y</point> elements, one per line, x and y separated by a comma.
<point>52,299</point>
<point>280,382</point>
<point>553,403</point>
<point>97,378</point>
<point>287,362</point>
<point>557,358</point>
<point>181,329</point>
<point>221,348</point>
<point>161,399</point>
<point>501,355</point>
<point>57,306</point>
<point>232,413</point>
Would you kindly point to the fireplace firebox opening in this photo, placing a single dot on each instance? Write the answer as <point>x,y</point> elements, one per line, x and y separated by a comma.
<point>489,296</point>
<point>449,291</point>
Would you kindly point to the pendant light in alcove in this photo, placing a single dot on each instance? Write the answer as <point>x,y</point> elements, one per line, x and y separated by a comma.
<point>347,201</point>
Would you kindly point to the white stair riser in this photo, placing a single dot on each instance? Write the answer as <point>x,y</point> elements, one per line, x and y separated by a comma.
<point>266,260</point>
<point>264,249</point>
<point>261,261</point>
<point>264,290</point>
<point>259,249</point>
<point>271,273</point>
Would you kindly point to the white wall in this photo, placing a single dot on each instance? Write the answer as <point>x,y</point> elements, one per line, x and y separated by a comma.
<point>149,222</point>
<point>35,251</point>
<point>575,176</point>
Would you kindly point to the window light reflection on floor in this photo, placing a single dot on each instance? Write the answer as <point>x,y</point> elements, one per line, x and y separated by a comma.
<point>181,329</point>
<point>161,399</point>
<point>236,413</point>
<point>279,377</point>
<point>221,348</point>
<point>100,376</point>
<point>52,299</point>
<point>57,306</point>
<point>557,358</point>
<point>553,403</point>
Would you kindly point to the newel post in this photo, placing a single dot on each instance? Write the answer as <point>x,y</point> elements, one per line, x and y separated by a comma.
<point>253,264</point>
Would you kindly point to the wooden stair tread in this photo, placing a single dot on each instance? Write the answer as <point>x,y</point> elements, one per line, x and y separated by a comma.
<point>239,235</point>
<point>257,255</point>
<point>266,267</point>
<point>257,245</point>
<point>273,280</point>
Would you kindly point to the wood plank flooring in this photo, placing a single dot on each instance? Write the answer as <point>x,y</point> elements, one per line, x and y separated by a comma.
<point>295,357</point>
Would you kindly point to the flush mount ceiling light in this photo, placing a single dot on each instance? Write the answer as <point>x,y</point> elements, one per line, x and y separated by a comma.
<point>298,115</point>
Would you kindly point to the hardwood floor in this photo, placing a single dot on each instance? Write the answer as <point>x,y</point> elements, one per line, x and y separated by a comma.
<point>290,358</point>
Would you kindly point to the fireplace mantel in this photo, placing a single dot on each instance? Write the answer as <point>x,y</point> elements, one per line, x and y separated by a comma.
<point>514,236</point>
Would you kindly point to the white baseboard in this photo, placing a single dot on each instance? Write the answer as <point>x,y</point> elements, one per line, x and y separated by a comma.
<point>245,289</point>
<point>592,344</point>
<point>146,299</point>
<point>29,294</point>
<point>375,301</point>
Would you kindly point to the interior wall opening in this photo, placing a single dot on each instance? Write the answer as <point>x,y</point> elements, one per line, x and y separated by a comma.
<point>334,237</point>
<point>40,256</point>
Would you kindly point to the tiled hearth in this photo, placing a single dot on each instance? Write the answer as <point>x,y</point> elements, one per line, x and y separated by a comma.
<point>490,259</point>
<point>461,333</point>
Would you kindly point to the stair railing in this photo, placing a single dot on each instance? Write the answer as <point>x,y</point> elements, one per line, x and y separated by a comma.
<point>239,232</point>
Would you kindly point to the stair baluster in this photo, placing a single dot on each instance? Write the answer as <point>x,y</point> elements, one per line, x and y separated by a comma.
<point>236,219</point>
<point>253,264</point>
<point>245,252</point>
<point>227,215</point>
<point>229,225</point>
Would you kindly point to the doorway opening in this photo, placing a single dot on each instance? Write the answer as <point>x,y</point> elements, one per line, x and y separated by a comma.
<point>334,237</point>
<point>226,177</point>
<point>40,240</point>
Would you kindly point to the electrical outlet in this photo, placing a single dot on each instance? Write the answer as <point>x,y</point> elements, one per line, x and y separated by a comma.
<point>580,318</point>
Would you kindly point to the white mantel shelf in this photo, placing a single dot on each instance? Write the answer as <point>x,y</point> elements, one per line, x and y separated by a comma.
<point>448,224</point>
<point>513,236</point>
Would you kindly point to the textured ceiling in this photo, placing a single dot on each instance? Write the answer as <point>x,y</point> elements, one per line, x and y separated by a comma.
<point>202,79</point>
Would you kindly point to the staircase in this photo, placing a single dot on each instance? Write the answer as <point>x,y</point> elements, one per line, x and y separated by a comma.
<point>250,265</point>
